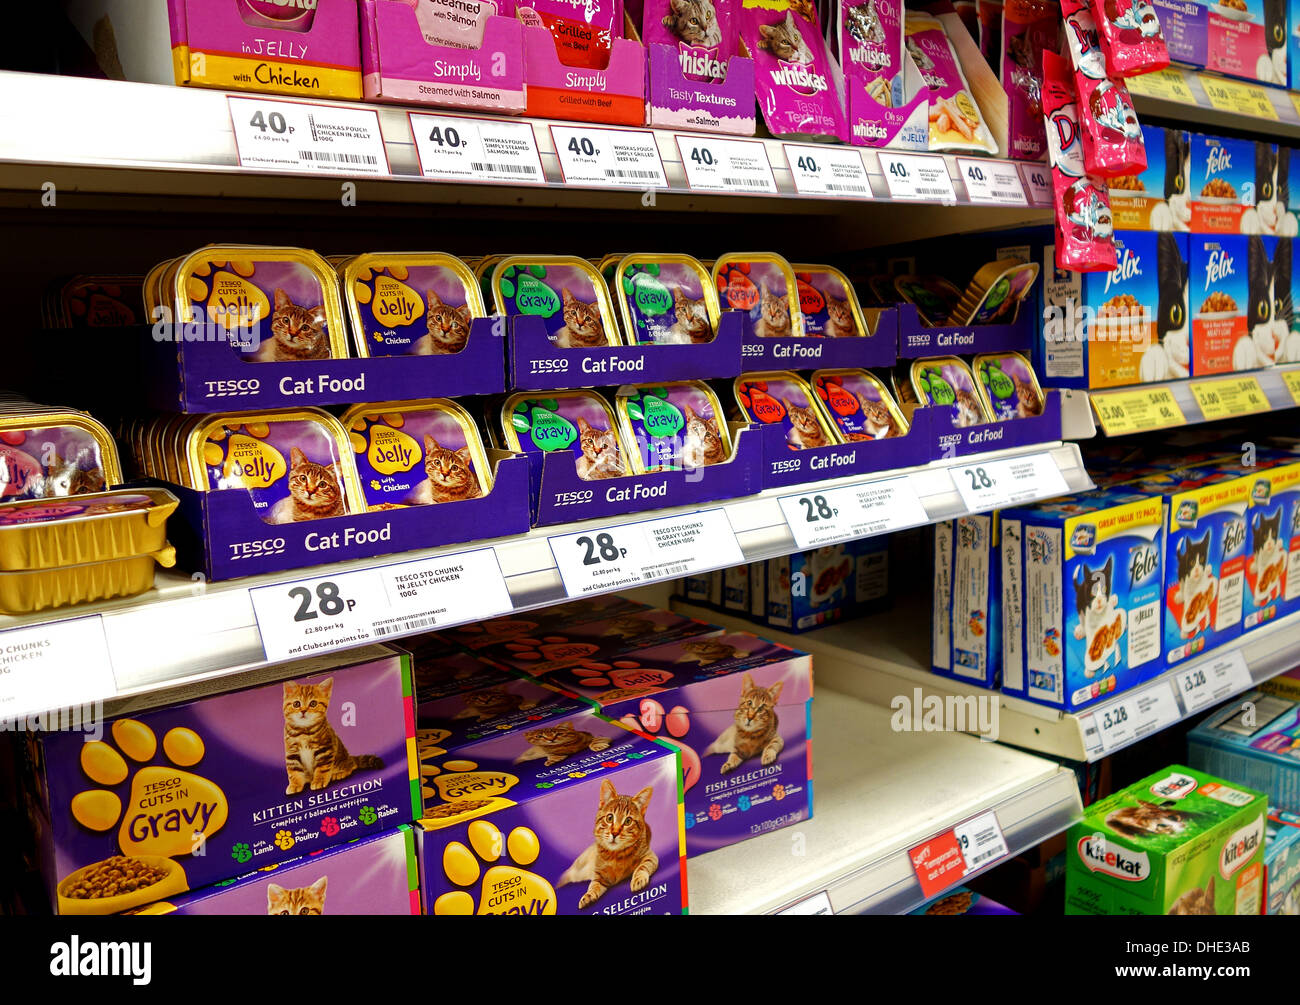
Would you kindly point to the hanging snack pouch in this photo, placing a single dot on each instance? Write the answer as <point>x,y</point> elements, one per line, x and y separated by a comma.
<point>1131,37</point>
<point>1007,386</point>
<point>584,30</point>
<point>796,86</point>
<point>567,293</point>
<point>1084,241</point>
<point>703,33</point>
<point>409,305</point>
<point>1029,28</point>
<point>871,48</point>
<point>956,122</point>
<point>995,294</point>
<point>664,299</point>
<point>673,427</point>
<point>416,453</point>
<point>764,286</point>
<point>828,303</point>
<point>579,422</point>
<point>48,454</point>
<point>858,404</point>
<point>933,297</point>
<point>783,397</point>
<point>274,305</point>
<point>294,465</point>
<point>947,383</point>
<point>1112,136</point>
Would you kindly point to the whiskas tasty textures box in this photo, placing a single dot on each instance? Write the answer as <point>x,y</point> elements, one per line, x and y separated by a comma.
<point>1255,738</point>
<point>1219,298</point>
<point>1272,587</point>
<point>183,796</point>
<point>1178,842</point>
<point>1222,183</point>
<point>738,706</point>
<point>1282,863</point>
<point>1090,568</point>
<point>600,833</point>
<point>1156,199</point>
<point>813,588</point>
<point>970,587</point>
<point>372,875</point>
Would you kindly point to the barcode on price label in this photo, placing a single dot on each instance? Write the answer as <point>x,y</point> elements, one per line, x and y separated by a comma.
<point>717,165</point>
<point>917,176</point>
<point>619,158</point>
<point>821,170</point>
<point>463,148</point>
<point>298,136</point>
<point>985,485</point>
<point>991,181</point>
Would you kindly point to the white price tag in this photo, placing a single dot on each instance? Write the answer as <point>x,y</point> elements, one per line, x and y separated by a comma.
<point>826,170</point>
<point>717,165</point>
<point>332,612</point>
<point>1210,681</point>
<point>1038,183</point>
<point>818,903</point>
<point>314,139</point>
<point>917,176</point>
<point>451,147</point>
<point>615,158</point>
<point>597,561</point>
<point>851,511</point>
<point>981,840</point>
<point>1130,718</point>
<point>60,665</point>
<point>985,485</point>
<point>992,181</point>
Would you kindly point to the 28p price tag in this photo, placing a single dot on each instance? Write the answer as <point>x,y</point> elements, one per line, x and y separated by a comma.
<point>985,485</point>
<point>1209,682</point>
<point>312,139</point>
<point>457,148</point>
<point>917,176</point>
<point>612,158</point>
<point>715,165</point>
<point>852,511</point>
<point>996,182</point>
<point>825,170</point>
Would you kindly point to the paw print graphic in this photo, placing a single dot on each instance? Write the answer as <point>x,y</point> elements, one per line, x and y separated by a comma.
<point>715,812</point>
<point>778,792</point>
<point>651,719</point>
<point>367,815</point>
<point>537,655</point>
<point>577,774</point>
<point>515,890</point>
<point>329,826</point>
<point>743,803</point>
<point>241,853</point>
<point>283,840</point>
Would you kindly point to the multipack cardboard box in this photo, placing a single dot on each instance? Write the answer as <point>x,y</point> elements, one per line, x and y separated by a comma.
<point>1272,588</point>
<point>1180,841</point>
<point>1254,738</point>
<point>812,588</point>
<point>1157,198</point>
<point>967,619</point>
<point>1282,863</point>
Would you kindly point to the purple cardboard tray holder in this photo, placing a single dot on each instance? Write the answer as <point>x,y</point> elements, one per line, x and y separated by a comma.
<point>915,340</point>
<point>221,534</point>
<point>815,352</point>
<point>560,496</point>
<point>783,467</point>
<point>399,65</point>
<point>538,364</point>
<point>209,376</point>
<point>673,102</point>
<point>615,94</point>
<point>951,441</point>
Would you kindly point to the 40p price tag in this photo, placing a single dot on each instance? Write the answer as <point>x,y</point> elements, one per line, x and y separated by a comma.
<point>852,511</point>
<point>996,182</point>
<point>714,165</point>
<point>312,139</point>
<point>825,170</point>
<point>1038,183</point>
<point>985,485</point>
<point>612,158</point>
<point>462,148</point>
<point>917,176</point>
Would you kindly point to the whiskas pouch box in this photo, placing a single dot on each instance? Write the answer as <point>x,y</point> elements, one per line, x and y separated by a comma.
<point>1222,183</point>
<point>372,875</point>
<point>410,305</point>
<point>974,608</point>
<point>1090,566</point>
<point>1157,198</point>
<point>1178,842</point>
<point>813,588</point>
<point>1254,738</point>
<point>1282,863</point>
<point>738,707</point>
<point>175,798</point>
<point>1272,586</point>
<point>600,833</point>
<point>795,82</point>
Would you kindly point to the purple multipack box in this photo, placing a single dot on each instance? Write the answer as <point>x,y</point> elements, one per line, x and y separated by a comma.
<point>182,796</point>
<point>714,106</point>
<point>598,832</point>
<point>739,708</point>
<point>399,62</point>
<point>375,875</point>
<point>487,635</point>
<point>1246,40</point>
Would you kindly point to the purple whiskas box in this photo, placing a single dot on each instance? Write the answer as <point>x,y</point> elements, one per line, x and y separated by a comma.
<point>599,833</point>
<point>739,708</point>
<point>178,797</point>
<point>371,875</point>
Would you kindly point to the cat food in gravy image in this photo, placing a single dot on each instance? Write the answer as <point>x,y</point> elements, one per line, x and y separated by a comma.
<point>783,397</point>
<point>947,383</point>
<point>568,294</point>
<point>579,422</point>
<point>409,305</point>
<point>664,299</point>
<point>828,302</point>
<point>858,404</point>
<point>764,286</point>
<point>673,427</point>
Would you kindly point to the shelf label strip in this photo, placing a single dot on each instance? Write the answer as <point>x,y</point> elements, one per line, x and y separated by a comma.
<point>455,148</point>
<point>1130,718</point>
<point>307,138</point>
<point>948,858</point>
<point>818,518</point>
<point>985,485</point>
<point>52,667</point>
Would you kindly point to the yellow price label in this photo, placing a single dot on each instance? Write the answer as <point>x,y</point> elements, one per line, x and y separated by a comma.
<point>1224,399</point>
<point>1168,84</point>
<point>1137,410</point>
<point>1292,380</point>
<point>1238,98</point>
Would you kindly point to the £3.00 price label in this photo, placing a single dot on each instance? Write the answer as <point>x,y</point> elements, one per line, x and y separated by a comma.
<point>331,612</point>
<point>947,858</point>
<point>294,136</point>
<point>987,485</point>
<point>456,148</point>
<point>1210,681</point>
<point>1168,84</point>
<point>596,561</point>
<point>917,176</point>
<point>824,170</point>
<point>1225,399</point>
<point>61,666</point>
<point>616,158</point>
<point>1137,411</point>
<point>1239,98</point>
<point>852,511</point>
<point>1038,183</point>
<point>1292,380</point>
<point>1130,718</point>
<point>992,181</point>
<point>714,165</point>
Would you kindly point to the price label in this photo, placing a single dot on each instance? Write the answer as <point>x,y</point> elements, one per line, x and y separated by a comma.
<point>1222,399</point>
<point>1137,410</point>
<point>332,612</point>
<point>917,176</point>
<point>826,170</point>
<point>1210,681</point>
<point>714,165</point>
<point>610,158</point>
<point>852,511</point>
<point>985,485</point>
<point>1168,84</point>
<point>1038,183</point>
<point>1292,380</point>
<point>598,561</point>
<point>1239,98</point>
<point>947,858</point>
<point>456,148</point>
<point>1122,722</point>
<point>818,903</point>
<point>313,139</point>
<point>995,182</point>
<point>56,666</point>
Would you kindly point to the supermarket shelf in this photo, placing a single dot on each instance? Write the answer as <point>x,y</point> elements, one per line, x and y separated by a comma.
<point>884,656</point>
<point>1209,101</point>
<point>879,793</point>
<point>186,630</point>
